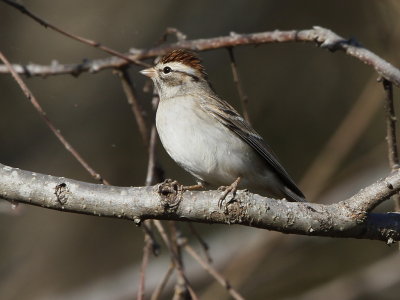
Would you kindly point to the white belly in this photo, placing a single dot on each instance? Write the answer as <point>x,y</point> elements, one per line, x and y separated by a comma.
<point>206,148</point>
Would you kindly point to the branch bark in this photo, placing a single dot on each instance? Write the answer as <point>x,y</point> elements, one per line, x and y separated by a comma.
<point>348,218</point>
<point>323,37</point>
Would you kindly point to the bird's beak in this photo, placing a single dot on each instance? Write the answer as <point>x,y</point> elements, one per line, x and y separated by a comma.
<point>150,72</point>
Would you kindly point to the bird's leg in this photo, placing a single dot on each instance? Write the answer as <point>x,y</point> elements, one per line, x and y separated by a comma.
<point>228,189</point>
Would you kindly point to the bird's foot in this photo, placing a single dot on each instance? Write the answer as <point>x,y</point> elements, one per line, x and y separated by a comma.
<point>226,190</point>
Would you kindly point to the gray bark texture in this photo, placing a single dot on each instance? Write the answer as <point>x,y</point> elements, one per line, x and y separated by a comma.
<point>348,218</point>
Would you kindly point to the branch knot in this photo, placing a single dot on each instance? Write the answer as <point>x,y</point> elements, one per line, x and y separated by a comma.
<point>170,192</point>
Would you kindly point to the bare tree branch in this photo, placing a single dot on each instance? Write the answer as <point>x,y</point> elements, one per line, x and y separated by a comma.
<point>324,38</point>
<point>348,218</point>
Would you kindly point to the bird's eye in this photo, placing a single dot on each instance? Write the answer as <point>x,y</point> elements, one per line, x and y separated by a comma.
<point>167,70</point>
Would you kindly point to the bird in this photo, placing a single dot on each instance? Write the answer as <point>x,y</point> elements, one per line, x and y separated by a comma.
<point>207,137</point>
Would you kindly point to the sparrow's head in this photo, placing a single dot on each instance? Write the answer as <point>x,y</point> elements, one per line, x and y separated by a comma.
<point>178,72</point>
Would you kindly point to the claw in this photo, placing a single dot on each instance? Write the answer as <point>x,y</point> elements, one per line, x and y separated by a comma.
<point>228,189</point>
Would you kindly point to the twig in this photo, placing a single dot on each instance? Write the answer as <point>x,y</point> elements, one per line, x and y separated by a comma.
<point>391,138</point>
<point>137,109</point>
<point>151,175</point>
<point>92,43</point>
<point>154,245</point>
<point>143,267</point>
<point>202,242</point>
<point>48,122</point>
<point>155,173</point>
<point>236,79</point>
<point>210,269</point>
<point>181,289</point>
<point>157,292</point>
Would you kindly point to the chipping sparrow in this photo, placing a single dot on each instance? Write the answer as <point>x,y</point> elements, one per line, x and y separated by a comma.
<point>207,136</point>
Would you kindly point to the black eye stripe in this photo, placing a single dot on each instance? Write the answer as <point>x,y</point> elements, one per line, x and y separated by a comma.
<point>167,70</point>
<point>194,77</point>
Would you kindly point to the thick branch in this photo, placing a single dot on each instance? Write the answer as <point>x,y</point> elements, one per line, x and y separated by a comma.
<point>321,36</point>
<point>349,218</point>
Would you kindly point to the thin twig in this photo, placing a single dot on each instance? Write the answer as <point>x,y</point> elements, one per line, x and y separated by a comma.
<point>151,175</point>
<point>391,137</point>
<point>89,42</point>
<point>137,109</point>
<point>181,290</point>
<point>202,242</point>
<point>157,292</point>
<point>48,122</point>
<point>155,172</point>
<point>143,266</point>
<point>236,79</point>
<point>148,230</point>
<point>210,269</point>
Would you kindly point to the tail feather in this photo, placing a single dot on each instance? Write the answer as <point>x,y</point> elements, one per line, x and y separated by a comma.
<point>292,196</point>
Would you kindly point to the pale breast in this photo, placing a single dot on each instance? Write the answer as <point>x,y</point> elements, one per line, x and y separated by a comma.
<point>202,145</point>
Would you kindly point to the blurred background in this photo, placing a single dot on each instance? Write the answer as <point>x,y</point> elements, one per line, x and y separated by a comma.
<point>299,96</point>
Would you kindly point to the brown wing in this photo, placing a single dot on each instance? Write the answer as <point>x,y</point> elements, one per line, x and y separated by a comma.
<point>230,118</point>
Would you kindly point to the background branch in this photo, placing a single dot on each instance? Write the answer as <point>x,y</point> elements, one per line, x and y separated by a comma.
<point>324,38</point>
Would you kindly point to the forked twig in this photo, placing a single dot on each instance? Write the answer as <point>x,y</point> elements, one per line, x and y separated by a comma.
<point>48,122</point>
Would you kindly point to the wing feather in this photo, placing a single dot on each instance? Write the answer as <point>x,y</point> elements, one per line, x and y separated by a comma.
<point>229,117</point>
